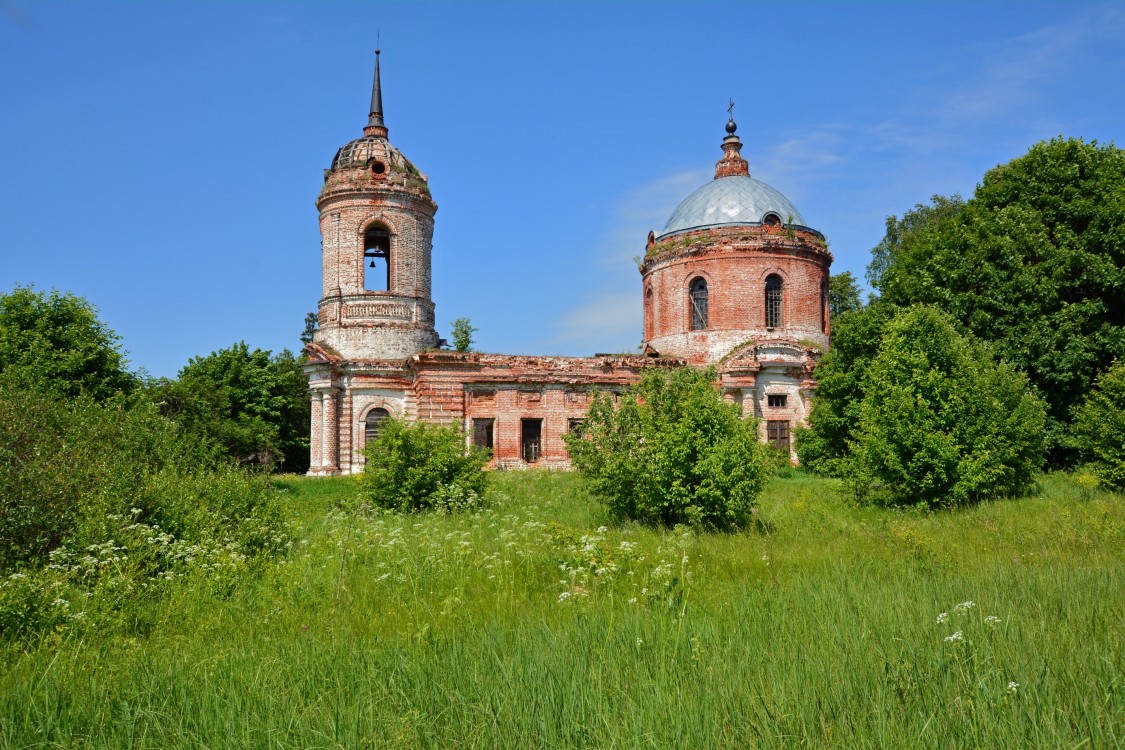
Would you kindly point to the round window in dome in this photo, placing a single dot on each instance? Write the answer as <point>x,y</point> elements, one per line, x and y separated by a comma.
<point>377,167</point>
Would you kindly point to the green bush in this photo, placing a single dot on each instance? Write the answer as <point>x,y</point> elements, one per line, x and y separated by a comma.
<point>55,341</point>
<point>941,421</point>
<point>673,451</point>
<point>244,404</point>
<point>841,385</point>
<point>422,466</point>
<point>1099,428</point>
<point>105,505</point>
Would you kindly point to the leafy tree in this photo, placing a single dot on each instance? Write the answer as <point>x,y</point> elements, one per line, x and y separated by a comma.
<point>463,331</point>
<point>312,322</point>
<point>942,423</point>
<point>1099,427</point>
<point>1034,262</point>
<point>900,232</point>
<point>244,403</point>
<point>420,466</point>
<point>843,294</point>
<point>673,451</point>
<point>56,340</point>
<point>841,387</point>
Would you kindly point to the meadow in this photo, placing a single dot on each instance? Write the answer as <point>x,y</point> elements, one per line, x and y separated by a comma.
<point>534,622</point>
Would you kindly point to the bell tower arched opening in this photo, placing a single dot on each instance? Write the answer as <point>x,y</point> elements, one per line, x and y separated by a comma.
<point>377,259</point>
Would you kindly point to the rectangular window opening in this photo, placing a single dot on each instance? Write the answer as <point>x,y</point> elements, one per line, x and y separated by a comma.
<point>483,431</point>
<point>776,401</point>
<point>777,434</point>
<point>531,439</point>
<point>576,427</point>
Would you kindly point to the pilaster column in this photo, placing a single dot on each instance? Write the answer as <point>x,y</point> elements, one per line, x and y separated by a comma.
<point>331,444</point>
<point>316,435</point>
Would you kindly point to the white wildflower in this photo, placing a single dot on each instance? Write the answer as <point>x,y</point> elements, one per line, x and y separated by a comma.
<point>1013,687</point>
<point>964,607</point>
<point>633,600</point>
<point>564,596</point>
<point>640,642</point>
<point>955,637</point>
<point>992,620</point>
<point>941,618</point>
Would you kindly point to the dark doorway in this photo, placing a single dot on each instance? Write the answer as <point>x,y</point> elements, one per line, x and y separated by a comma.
<point>531,442</point>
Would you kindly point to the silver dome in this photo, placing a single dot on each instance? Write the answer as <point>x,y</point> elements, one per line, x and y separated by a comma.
<point>731,201</point>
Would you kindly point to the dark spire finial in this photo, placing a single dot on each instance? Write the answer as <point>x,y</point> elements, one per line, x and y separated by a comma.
<point>375,124</point>
<point>731,127</point>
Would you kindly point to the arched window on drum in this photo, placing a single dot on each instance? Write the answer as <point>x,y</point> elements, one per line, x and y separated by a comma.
<point>697,296</point>
<point>774,300</point>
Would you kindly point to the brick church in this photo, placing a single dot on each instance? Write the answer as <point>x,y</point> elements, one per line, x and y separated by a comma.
<point>735,279</point>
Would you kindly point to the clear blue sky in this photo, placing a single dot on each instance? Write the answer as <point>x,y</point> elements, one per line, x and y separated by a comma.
<point>162,159</point>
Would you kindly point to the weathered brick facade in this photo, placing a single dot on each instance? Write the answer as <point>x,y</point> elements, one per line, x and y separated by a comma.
<point>735,280</point>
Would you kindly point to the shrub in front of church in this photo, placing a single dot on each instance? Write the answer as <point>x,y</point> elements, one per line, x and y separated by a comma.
<point>1099,428</point>
<point>672,451</point>
<point>105,507</point>
<point>422,466</point>
<point>942,423</point>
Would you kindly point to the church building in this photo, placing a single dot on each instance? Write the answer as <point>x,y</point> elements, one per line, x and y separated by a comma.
<point>735,279</point>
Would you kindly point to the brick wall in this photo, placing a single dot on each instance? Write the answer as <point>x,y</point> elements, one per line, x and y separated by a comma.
<point>735,262</point>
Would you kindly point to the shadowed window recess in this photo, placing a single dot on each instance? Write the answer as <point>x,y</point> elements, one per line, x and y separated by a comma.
<point>774,297</point>
<point>373,423</point>
<point>483,433</point>
<point>697,294</point>
<point>777,434</point>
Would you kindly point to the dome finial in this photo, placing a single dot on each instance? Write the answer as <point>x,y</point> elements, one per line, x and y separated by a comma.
<point>375,124</point>
<point>732,164</point>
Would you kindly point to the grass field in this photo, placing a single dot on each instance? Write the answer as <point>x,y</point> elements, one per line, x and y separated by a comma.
<point>532,625</point>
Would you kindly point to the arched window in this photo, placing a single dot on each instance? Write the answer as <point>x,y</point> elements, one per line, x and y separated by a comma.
<point>773,301</point>
<point>648,313</point>
<point>373,422</point>
<point>824,309</point>
<point>698,295</point>
<point>377,259</point>
<point>771,220</point>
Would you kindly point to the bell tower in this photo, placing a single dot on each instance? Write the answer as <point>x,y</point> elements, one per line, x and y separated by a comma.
<point>376,228</point>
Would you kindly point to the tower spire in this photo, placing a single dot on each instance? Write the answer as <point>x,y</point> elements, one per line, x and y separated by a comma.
<point>375,124</point>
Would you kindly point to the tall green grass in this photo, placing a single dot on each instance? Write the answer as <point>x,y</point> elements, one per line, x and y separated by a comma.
<point>530,625</point>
